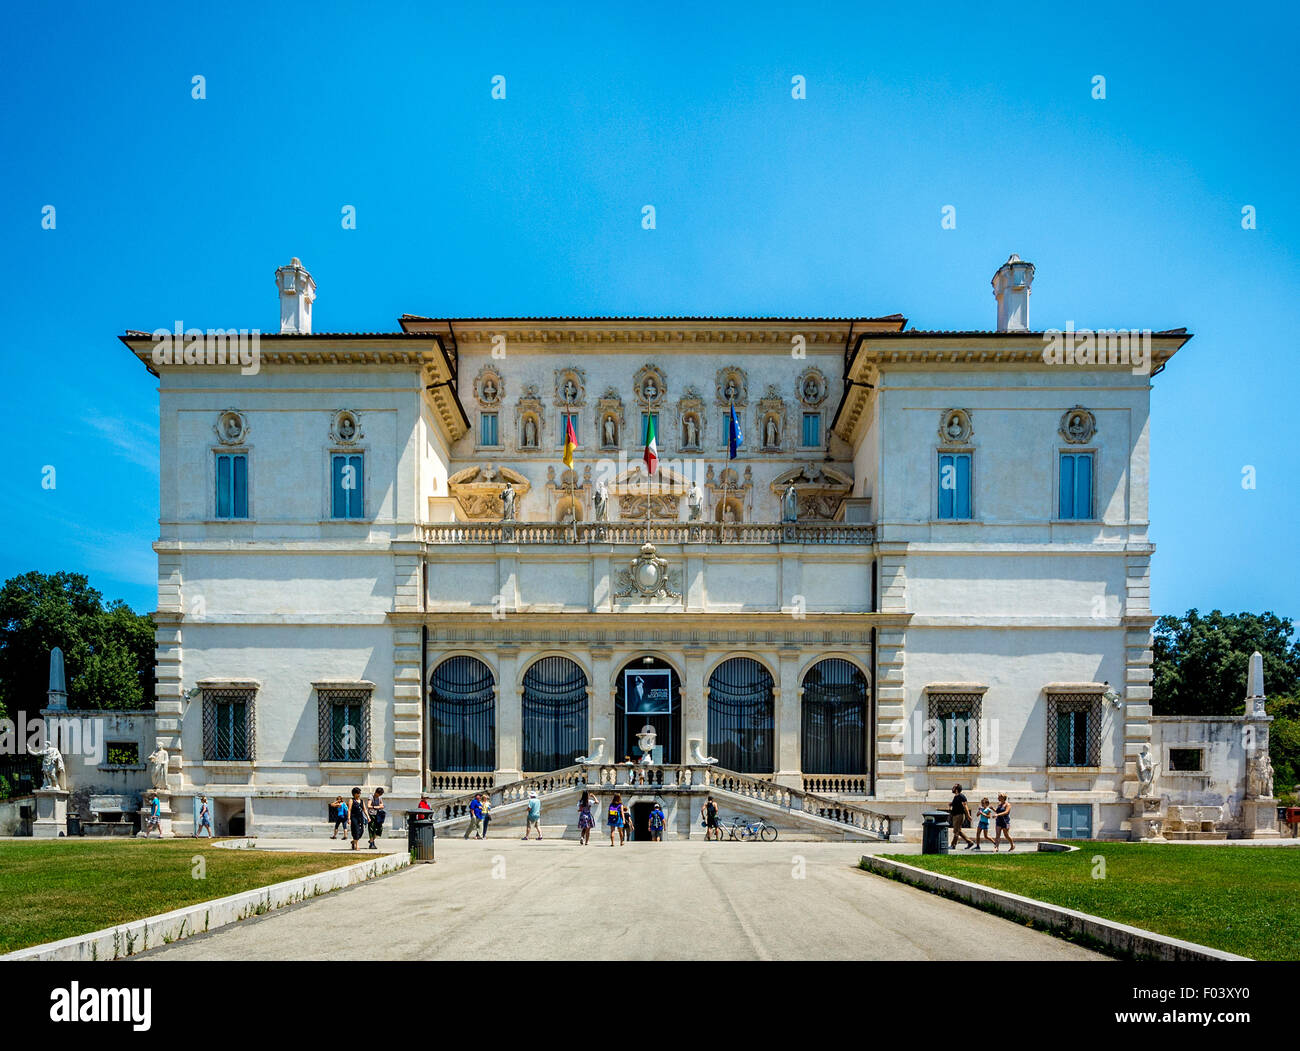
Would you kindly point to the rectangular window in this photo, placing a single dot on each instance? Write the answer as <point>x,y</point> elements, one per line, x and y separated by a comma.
<point>1186,759</point>
<point>228,724</point>
<point>349,478</point>
<point>488,428</point>
<point>232,485</point>
<point>954,485</point>
<point>1073,729</point>
<point>123,753</point>
<point>344,719</point>
<point>1076,485</point>
<point>812,430</point>
<point>565,418</point>
<point>953,733</point>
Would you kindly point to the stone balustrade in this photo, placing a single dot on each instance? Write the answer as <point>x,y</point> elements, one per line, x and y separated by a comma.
<point>620,532</point>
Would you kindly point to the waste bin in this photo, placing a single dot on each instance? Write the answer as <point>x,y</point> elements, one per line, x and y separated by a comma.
<point>934,832</point>
<point>419,834</point>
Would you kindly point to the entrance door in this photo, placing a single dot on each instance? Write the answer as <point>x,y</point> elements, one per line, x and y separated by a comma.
<point>648,694</point>
<point>641,821</point>
<point>1074,821</point>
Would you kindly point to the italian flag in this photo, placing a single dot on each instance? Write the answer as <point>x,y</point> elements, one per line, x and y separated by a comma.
<point>570,442</point>
<point>651,446</point>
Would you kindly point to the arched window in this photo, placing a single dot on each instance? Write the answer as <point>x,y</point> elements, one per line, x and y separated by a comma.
<point>834,718</point>
<point>741,715</point>
<point>554,714</point>
<point>462,716</point>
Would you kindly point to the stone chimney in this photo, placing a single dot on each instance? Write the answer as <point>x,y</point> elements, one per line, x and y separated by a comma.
<point>297,292</point>
<point>1011,286</point>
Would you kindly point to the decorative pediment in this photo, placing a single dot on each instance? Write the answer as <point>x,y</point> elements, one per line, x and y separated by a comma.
<point>1078,426</point>
<point>691,421</point>
<point>530,418</point>
<point>478,489</point>
<point>811,387</point>
<point>819,490</point>
<point>566,493</point>
<point>955,427</point>
<point>609,419</point>
<point>570,387</point>
<point>345,428</point>
<point>729,492</point>
<point>650,386</point>
<point>769,417</point>
<point>642,497</point>
<point>489,387</point>
<point>733,386</point>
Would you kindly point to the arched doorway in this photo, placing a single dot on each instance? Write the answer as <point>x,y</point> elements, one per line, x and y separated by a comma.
<point>462,716</point>
<point>741,716</point>
<point>554,714</point>
<point>834,718</point>
<point>646,678</point>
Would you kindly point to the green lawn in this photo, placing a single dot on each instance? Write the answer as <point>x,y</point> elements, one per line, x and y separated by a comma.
<point>52,890</point>
<point>1239,899</point>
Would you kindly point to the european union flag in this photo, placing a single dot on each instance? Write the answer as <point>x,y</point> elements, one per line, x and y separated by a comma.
<point>734,438</point>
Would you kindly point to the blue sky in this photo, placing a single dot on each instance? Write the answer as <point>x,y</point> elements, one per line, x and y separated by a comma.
<point>169,207</point>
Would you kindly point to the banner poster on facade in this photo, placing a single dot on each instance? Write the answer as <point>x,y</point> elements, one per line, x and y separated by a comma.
<point>648,692</point>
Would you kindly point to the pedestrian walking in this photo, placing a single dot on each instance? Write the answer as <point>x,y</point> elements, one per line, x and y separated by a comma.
<point>1002,822</point>
<point>982,831</point>
<point>534,815</point>
<point>487,811</point>
<point>377,815</point>
<point>585,818</point>
<point>959,817</point>
<point>627,823</point>
<point>340,811</point>
<point>357,816</point>
<point>205,817</point>
<point>475,825</point>
<point>154,821</point>
<point>615,819</point>
<point>709,819</point>
<point>656,823</point>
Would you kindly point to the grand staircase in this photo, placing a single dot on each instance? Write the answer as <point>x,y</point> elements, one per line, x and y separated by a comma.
<point>792,809</point>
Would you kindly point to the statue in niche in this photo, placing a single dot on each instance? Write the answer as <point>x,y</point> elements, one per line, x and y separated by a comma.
<point>790,505</point>
<point>732,390</point>
<point>508,503</point>
<point>811,389</point>
<point>601,500</point>
<point>954,427</point>
<point>489,390</point>
<point>347,428</point>
<point>611,431</point>
<point>771,434</point>
<point>691,432</point>
<point>530,433</point>
<point>651,389</point>
<point>570,390</point>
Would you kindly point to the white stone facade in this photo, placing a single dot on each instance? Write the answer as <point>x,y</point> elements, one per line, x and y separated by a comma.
<point>1012,605</point>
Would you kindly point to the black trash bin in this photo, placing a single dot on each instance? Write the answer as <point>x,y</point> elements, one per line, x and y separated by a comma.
<point>934,832</point>
<point>419,834</point>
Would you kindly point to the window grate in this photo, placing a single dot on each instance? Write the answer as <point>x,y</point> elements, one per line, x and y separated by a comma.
<point>1073,729</point>
<point>343,722</point>
<point>229,724</point>
<point>953,731</point>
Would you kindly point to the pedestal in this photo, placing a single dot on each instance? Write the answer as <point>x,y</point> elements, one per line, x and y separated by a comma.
<point>1146,821</point>
<point>164,821</point>
<point>51,813</point>
<point>1259,818</point>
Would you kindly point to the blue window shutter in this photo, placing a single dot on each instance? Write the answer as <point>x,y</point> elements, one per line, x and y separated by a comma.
<point>340,496</point>
<point>223,486</point>
<point>1066,486</point>
<point>356,495</point>
<point>239,484</point>
<point>1083,486</point>
<point>945,494</point>
<point>963,486</point>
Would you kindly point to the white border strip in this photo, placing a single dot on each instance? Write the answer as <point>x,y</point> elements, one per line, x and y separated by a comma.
<point>128,939</point>
<point>1125,940</point>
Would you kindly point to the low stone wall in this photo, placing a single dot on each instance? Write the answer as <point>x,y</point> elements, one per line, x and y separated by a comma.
<point>11,823</point>
<point>1118,938</point>
<point>128,939</point>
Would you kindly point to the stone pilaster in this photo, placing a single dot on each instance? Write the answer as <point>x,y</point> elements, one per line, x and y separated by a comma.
<point>694,701</point>
<point>600,712</point>
<point>408,720</point>
<point>891,724</point>
<point>787,727</point>
<point>510,717</point>
<point>1136,692</point>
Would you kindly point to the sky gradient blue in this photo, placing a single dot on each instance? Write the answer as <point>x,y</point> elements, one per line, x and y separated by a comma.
<point>170,208</point>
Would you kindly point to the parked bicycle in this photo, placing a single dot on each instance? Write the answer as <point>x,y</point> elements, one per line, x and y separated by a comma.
<point>740,829</point>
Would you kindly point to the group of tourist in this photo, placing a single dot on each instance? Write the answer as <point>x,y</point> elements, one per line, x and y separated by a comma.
<point>618,819</point>
<point>359,817</point>
<point>960,819</point>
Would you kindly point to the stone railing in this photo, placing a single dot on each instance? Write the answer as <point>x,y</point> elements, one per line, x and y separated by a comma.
<point>867,821</point>
<point>837,784</point>
<point>455,782</point>
<point>646,532</point>
<point>455,807</point>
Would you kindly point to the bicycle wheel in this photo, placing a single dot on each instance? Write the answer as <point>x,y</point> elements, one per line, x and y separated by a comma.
<point>769,833</point>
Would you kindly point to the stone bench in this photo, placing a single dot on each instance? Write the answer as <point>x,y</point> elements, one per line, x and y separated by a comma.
<point>1192,818</point>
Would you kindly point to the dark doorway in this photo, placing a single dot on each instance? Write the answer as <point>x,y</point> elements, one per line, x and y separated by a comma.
<point>641,822</point>
<point>667,725</point>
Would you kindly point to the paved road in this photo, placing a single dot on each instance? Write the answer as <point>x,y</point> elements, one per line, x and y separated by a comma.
<point>504,899</point>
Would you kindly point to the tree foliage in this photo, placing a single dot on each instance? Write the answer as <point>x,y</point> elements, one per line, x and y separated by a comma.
<point>1201,662</point>
<point>108,650</point>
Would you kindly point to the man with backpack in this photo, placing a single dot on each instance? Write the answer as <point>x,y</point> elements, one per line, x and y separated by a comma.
<point>656,823</point>
<point>709,818</point>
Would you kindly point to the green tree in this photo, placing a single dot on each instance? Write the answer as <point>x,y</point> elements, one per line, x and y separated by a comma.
<point>107,651</point>
<point>1200,662</point>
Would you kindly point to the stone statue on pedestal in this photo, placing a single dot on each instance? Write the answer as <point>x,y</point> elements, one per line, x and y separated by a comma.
<point>508,503</point>
<point>158,769</point>
<point>1259,777</point>
<point>695,501</point>
<point>1146,771</point>
<point>52,769</point>
<point>601,500</point>
<point>790,505</point>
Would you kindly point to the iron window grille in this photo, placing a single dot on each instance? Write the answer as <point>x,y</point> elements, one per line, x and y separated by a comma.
<point>229,724</point>
<point>953,730</point>
<point>1073,729</point>
<point>343,720</point>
